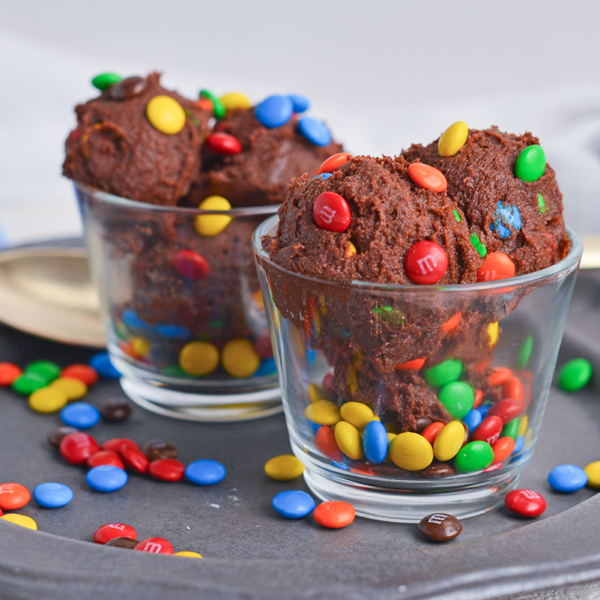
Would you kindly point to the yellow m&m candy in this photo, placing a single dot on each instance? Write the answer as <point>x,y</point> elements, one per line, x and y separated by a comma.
<point>234,100</point>
<point>239,358</point>
<point>165,114</point>
<point>411,451</point>
<point>47,400</point>
<point>593,473</point>
<point>209,225</point>
<point>449,441</point>
<point>21,520</point>
<point>316,393</point>
<point>199,358</point>
<point>188,554</point>
<point>323,412</point>
<point>453,139</point>
<point>74,389</point>
<point>141,346</point>
<point>284,468</point>
<point>348,440</point>
<point>492,331</point>
<point>357,413</point>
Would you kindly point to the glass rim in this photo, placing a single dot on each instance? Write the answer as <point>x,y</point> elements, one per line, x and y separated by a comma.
<point>249,211</point>
<point>571,260</point>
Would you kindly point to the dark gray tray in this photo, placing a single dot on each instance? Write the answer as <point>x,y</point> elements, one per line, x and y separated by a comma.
<point>249,551</point>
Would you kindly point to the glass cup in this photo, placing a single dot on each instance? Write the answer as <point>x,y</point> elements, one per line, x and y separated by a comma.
<point>182,307</point>
<point>386,388</point>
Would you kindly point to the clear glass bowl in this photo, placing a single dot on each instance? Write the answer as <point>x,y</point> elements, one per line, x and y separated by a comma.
<point>338,343</point>
<point>173,300</point>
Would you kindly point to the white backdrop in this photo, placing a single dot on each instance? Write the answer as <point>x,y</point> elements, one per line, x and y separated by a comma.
<point>382,73</point>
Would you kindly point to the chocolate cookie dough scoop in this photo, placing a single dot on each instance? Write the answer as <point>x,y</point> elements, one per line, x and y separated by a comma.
<point>253,153</point>
<point>137,140</point>
<point>506,190</point>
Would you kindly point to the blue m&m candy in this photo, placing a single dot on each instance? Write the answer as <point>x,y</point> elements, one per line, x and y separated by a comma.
<point>483,410</point>
<point>267,367</point>
<point>101,362</point>
<point>205,472</point>
<point>323,176</point>
<point>106,478</point>
<point>300,103</point>
<point>507,217</point>
<point>567,478</point>
<point>131,320</point>
<point>173,332</point>
<point>375,442</point>
<point>80,415</point>
<point>274,111</point>
<point>519,443</point>
<point>473,419</point>
<point>314,131</point>
<point>293,504</point>
<point>52,495</point>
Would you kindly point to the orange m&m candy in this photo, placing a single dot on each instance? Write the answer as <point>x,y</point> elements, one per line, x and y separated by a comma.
<point>427,177</point>
<point>13,496</point>
<point>503,448</point>
<point>431,431</point>
<point>499,376</point>
<point>334,514</point>
<point>452,322</point>
<point>411,364</point>
<point>497,265</point>
<point>333,162</point>
<point>512,388</point>
<point>84,373</point>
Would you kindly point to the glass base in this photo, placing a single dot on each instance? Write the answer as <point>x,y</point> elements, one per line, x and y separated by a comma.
<point>408,506</point>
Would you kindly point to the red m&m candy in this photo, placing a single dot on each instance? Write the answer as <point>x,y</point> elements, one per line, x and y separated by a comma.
<point>497,265</point>
<point>507,409</point>
<point>223,143</point>
<point>111,531</point>
<point>503,448</point>
<point>190,265</point>
<point>134,458</point>
<point>525,503</point>
<point>426,262</point>
<point>325,443</point>
<point>166,469</point>
<point>427,177</point>
<point>155,545</point>
<point>331,212</point>
<point>105,457</point>
<point>333,162</point>
<point>512,388</point>
<point>489,430</point>
<point>8,373</point>
<point>84,373</point>
<point>76,448</point>
<point>115,444</point>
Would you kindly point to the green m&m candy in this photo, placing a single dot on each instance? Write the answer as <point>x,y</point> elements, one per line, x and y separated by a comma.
<point>574,375</point>
<point>531,163</point>
<point>46,369</point>
<point>218,108</point>
<point>28,383</point>
<point>105,80</point>
<point>458,398</point>
<point>511,429</point>
<point>525,352</point>
<point>475,456</point>
<point>446,372</point>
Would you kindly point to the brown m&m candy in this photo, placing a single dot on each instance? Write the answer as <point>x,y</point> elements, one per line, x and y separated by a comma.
<point>57,434</point>
<point>437,471</point>
<point>156,449</point>
<point>122,542</point>
<point>115,409</point>
<point>127,88</point>
<point>440,527</point>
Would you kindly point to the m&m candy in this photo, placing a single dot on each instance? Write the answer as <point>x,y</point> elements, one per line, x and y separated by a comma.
<point>22,520</point>
<point>13,496</point>
<point>101,363</point>
<point>110,531</point>
<point>239,358</point>
<point>567,478</point>
<point>106,478</point>
<point>525,503</point>
<point>531,163</point>
<point>199,358</point>
<point>234,101</point>
<point>334,514</point>
<point>223,143</point>
<point>105,457</point>
<point>47,400</point>
<point>333,162</point>
<point>453,139</point>
<point>427,177</point>
<point>575,375</point>
<point>332,212</point>
<point>166,469</point>
<point>84,373</point>
<point>80,415</point>
<point>314,131</point>
<point>217,106</point>
<point>375,442</point>
<point>76,448</point>
<point>274,111</point>
<point>300,103</point>
<point>155,545</point>
<point>166,114</point>
<point>134,458</point>
<point>105,80</point>
<point>497,265</point>
<point>426,262</point>
<point>284,467</point>
<point>52,495</point>
<point>205,472</point>
<point>9,372</point>
<point>293,504</point>
<point>190,265</point>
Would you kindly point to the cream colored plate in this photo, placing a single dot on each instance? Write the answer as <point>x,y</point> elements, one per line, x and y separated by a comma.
<point>47,291</point>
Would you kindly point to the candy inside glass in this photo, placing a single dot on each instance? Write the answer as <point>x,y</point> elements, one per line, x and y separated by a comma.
<point>387,388</point>
<point>182,307</point>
